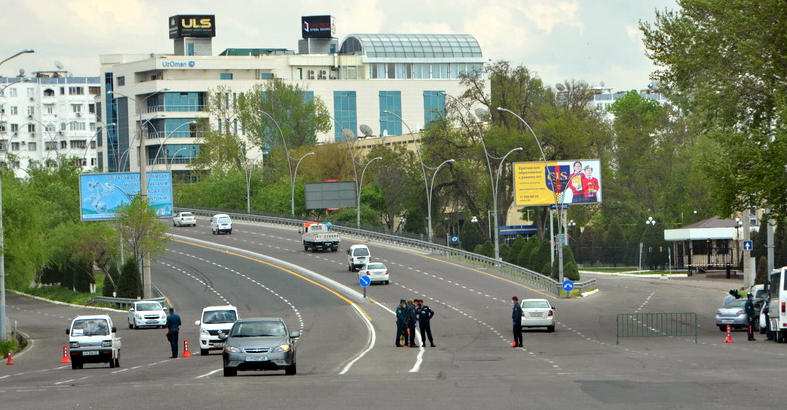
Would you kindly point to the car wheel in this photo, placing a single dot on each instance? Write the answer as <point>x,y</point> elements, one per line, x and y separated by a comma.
<point>81,365</point>
<point>290,370</point>
<point>203,352</point>
<point>229,372</point>
<point>134,324</point>
<point>117,361</point>
<point>305,248</point>
<point>129,325</point>
<point>75,364</point>
<point>386,282</point>
<point>349,268</point>
<point>229,232</point>
<point>174,224</point>
<point>111,363</point>
<point>722,327</point>
<point>334,249</point>
<point>550,328</point>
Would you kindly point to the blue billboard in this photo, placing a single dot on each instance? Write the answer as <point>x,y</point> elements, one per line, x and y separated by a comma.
<point>100,195</point>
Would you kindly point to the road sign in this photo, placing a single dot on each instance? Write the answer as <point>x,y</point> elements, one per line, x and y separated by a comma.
<point>558,206</point>
<point>454,239</point>
<point>748,245</point>
<point>364,280</point>
<point>568,285</point>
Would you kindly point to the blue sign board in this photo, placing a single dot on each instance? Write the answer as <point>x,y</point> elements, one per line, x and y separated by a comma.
<point>558,206</point>
<point>454,239</point>
<point>568,285</point>
<point>748,245</point>
<point>100,195</point>
<point>364,280</point>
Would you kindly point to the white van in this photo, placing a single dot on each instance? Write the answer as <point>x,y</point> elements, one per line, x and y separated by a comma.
<point>221,223</point>
<point>93,339</point>
<point>777,306</point>
<point>357,256</point>
<point>215,319</point>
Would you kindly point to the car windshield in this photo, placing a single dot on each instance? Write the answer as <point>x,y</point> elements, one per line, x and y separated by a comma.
<point>737,303</point>
<point>375,266</point>
<point>219,316</point>
<point>258,329</point>
<point>186,214</point>
<point>535,304</point>
<point>361,252</point>
<point>224,220</point>
<point>148,306</point>
<point>90,327</point>
<point>761,294</point>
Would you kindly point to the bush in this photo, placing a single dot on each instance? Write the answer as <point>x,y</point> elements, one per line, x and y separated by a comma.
<point>128,287</point>
<point>570,271</point>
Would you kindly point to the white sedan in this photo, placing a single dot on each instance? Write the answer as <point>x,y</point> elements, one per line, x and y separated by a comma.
<point>184,219</point>
<point>146,313</point>
<point>376,271</point>
<point>538,313</point>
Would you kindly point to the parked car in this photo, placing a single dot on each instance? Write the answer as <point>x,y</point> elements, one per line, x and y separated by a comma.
<point>215,319</point>
<point>734,314</point>
<point>221,223</point>
<point>538,313</point>
<point>184,219</point>
<point>259,344</point>
<point>146,313</point>
<point>376,271</point>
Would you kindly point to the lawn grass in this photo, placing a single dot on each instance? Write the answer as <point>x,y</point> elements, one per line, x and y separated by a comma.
<point>61,294</point>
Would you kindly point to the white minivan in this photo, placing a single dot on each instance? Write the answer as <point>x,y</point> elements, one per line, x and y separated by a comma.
<point>357,256</point>
<point>221,223</point>
<point>777,306</point>
<point>215,319</point>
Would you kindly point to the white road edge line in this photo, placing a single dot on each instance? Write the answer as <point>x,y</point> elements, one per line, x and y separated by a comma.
<point>420,358</point>
<point>371,340</point>
<point>208,374</point>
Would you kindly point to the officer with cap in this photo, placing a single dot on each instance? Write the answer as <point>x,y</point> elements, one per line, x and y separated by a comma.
<point>401,322</point>
<point>173,330</point>
<point>425,314</point>
<point>516,316</point>
<point>751,315</point>
<point>729,298</point>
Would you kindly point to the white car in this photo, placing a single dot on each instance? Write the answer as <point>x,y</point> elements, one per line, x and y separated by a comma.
<point>184,219</point>
<point>538,313</point>
<point>215,319</point>
<point>376,271</point>
<point>146,313</point>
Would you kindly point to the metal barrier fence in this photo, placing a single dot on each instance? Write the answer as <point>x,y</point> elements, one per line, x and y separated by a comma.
<point>536,279</point>
<point>121,303</point>
<point>656,324</point>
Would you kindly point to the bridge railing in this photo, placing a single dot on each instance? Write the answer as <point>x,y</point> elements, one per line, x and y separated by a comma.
<point>665,324</point>
<point>534,278</point>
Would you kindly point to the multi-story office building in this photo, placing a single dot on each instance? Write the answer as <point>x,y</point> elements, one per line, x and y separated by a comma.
<point>47,117</point>
<point>361,80</point>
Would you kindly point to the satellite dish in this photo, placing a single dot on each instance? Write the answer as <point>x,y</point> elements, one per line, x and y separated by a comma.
<point>481,113</point>
<point>21,72</point>
<point>366,130</point>
<point>560,87</point>
<point>348,135</point>
<point>59,65</point>
<point>582,83</point>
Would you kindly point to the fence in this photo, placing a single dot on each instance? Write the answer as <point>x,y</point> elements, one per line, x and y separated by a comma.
<point>536,279</point>
<point>125,303</point>
<point>656,324</point>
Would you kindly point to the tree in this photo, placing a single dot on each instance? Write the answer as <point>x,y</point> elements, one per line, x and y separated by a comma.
<point>141,230</point>
<point>130,280</point>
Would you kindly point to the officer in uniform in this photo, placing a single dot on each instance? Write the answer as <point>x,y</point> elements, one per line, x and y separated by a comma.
<point>173,330</point>
<point>751,315</point>
<point>424,317</point>
<point>401,322</point>
<point>412,318</point>
<point>516,316</point>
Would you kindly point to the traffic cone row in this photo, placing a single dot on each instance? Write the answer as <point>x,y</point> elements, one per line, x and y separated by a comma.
<point>186,352</point>
<point>9,361</point>
<point>728,339</point>
<point>65,358</point>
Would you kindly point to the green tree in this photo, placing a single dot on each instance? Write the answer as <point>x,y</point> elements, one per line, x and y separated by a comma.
<point>141,230</point>
<point>129,283</point>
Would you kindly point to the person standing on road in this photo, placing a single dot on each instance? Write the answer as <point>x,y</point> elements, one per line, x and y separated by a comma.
<point>516,316</point>
<point>751,315</point>
<point>729,298</point>
<point>173,329</point>
<point>424,317</point>
<point>401,322</point>
<point>412,318</point>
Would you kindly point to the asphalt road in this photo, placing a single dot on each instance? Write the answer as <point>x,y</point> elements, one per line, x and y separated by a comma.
<point>346,357</point>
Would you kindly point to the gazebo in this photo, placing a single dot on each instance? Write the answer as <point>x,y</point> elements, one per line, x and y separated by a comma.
<point>710,244</point>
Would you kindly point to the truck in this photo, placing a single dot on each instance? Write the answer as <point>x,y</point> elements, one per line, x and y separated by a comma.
<point>318,237</point>
<point>93,339</point>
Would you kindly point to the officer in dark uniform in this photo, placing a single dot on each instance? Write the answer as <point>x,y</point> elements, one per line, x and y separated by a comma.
<point>516,316</point>
<point>173,330</point>
<point>401,322</point>
<point>424,317</point>
<point>412,318</point>
<point>751,315</point>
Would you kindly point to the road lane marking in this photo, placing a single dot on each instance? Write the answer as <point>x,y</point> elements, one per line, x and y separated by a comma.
<point>371,340</point>
<point>208,373</point>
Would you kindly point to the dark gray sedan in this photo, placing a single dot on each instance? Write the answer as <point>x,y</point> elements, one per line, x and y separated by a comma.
<point>259,344</point>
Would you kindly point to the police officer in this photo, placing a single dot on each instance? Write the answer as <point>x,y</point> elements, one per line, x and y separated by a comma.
<point>729,298</point>
<point>173,330</point>
<point>424,317</point>
<point>516,316</point>
<point>750,315</point>
<point>412,318</point>
<point>401,322</point>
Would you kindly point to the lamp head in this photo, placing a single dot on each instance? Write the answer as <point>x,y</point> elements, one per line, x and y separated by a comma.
<point>450,160</point>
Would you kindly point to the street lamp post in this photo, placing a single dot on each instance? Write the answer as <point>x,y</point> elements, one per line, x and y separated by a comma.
<point>292,184</point>
<point>171,133</point>
<point>429,197</point>
<point>289,163</point>
<point>3,333</point>
<point>360,185</point>
<point>738,225</point>
<point>494,200</point>
<point>552,177</point>
<point>249,168</point>
<point>650,222</point>
<point>87,146</point>
<point>175,154</point>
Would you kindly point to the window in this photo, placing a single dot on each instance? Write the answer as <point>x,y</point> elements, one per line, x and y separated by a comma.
<point>62,90</point>
<point>93,144</point>
<point>14,146</point>
<point>225,76</point>
<point>344,106</point>
<point>50,128</point>
<point>14,127</point>
<point>268,76</point>
<point>63,144</point>
<point>13,109</point>
<point>49,92</point>
<point>31,92</point>
<point>77,126</point>
<point>31,128</point>
<point>76,108</point>
<point>390,124</point>
<point>76,91</point>
<point>434,105</point>
<point>31,146</point>
<point>31,110</point>
<point>78,144</point>
<point>121,80</point>
<point>50,109</point>
<point>91,108</point>
<point>50,145</point>
<point>12,92</point>
<point>94,90</point>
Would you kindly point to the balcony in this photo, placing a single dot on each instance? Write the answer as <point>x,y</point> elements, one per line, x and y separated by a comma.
<point>176,108</point>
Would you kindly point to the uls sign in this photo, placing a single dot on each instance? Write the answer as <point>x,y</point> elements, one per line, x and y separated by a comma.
<point>192,26</point>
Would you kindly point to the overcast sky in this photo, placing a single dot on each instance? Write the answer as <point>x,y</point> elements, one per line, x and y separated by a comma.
<point>592,40</point>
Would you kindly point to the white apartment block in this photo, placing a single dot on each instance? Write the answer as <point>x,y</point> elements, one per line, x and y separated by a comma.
<point>361,80</point>
<point>48,117</point>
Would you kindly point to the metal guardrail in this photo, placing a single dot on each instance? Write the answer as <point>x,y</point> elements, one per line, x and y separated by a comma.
<point>122,303</point>
<point>534,278</point>
<point>656,324</point>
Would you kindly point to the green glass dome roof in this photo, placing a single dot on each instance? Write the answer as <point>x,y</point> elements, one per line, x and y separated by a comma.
<point>412,45</point>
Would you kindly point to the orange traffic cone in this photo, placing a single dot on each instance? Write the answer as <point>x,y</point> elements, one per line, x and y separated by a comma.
<point>10,361</point>
<point>65,358</point>
<point>513,344</point>
<point>728,339</point>
<point>186,352</point>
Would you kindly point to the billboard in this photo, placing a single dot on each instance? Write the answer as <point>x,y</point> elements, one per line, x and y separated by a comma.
<point>200,25</point>
<point>318,27</point>
<point>573,182</point>
<point>325,195</point>
<point>100,195</point>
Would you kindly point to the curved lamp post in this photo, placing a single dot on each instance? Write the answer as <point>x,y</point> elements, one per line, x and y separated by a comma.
<point>429,197</point>
<point>87,146</point>
<point>3,333</point>
<point>292,189</point>
<point>171,133</point>
<point>552,176</point>
<point>360,185</point>
<point>169,162</point>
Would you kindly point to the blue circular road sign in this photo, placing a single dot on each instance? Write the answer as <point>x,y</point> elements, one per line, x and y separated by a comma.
<point>454,239</point>
<point>364,281</point>
<point>568,285</point>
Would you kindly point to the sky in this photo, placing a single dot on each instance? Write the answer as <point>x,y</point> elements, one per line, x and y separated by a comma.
<point>596,41</point>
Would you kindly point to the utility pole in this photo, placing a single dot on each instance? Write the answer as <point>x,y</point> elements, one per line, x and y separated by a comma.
<point>143,192</point>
